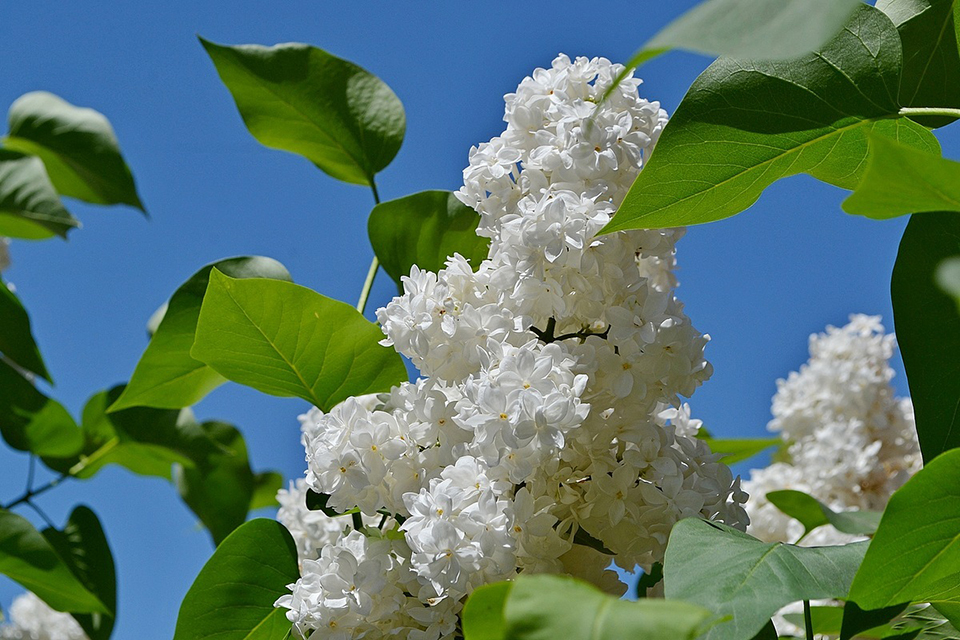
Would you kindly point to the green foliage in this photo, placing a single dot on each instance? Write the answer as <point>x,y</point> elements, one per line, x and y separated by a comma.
<point>286,340</point>
<point>736,450</point>
<point>764,30</point>
<point>232,598</point>
<point>144,440</point>
<point>302,99</point>
<point>900,180</point>
<point>29,205</point>
<point>28,558</point>
<point>855,621</point>
<point>916,551</point>
<point>30,421</point>
<point>423,229</point>
<point>744,125</point>
<point>544,607</point>
<point>84,548</point>
<point>734,574</point>
<point>77,146</point>
<point>16,339</point>
<point>265,487</point>
<point>826,620</point>
<point>167,376</point>
<point>931,64</point>
<point>813,514</point>
<point>928,329</point>
<point>220,487</point>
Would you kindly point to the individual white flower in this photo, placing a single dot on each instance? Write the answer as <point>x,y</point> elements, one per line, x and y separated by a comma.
<point>33,619</point>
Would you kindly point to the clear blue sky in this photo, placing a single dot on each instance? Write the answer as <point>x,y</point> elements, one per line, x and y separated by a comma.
<point>759,283</point>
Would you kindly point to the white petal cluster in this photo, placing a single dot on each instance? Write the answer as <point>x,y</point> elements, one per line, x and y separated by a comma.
<point>32,619</point>
<point>549,412</point>
<point>852,443</point>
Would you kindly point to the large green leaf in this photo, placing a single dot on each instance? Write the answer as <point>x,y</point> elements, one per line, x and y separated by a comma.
<point>219,488</point>
<point>899,180</point>
<point>232,598</point>
<point>423,229</point>
<point>736,450</point>
<point>30,421</point>
<point>29,205</point>
<point>144,440</point>
<point>915,554</point>
<point>734,574</point>
<point>27,558</point>
<point>812,513</point>
<point>77,145</point>
<point>84,547</point>
<point>302,99</point>
<point>744,125</point>
<point>167,376</point>
<point>754,29</point>
<point>928,329</point>
<point>931,60</point>
<point>545,607</point>
<point>16,338</point>
<point>286,340</point>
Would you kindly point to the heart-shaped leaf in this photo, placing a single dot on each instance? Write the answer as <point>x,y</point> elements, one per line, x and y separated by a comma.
<point>29,205</point>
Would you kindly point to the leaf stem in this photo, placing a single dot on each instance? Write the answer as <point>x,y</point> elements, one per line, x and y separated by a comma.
<point>930,111</point>
<point>25,498</point>
<point>807,620</point>
<point>374,264</point>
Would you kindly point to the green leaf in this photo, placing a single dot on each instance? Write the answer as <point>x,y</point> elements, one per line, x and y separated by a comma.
<point>301,99</point>
<point>761,29</point>
<point>769,632</point>
<point>649,579</point>
<point>900,180</point>
<point>29,205</point>
<point>424,229</point>
<point>736,575</point>
<point>30,421</point>
<point>84,547</point>
<point>16,338</point>
<point>27,558</point>
<point>167,376</point>
<point>144,440</point>
<point>232,598</point>
<point>483,612</point>
<point>739,449</point>
<point>546,607</point>
<point>286,340</point>
<point>77,145</point>
<point>916,551</point>
<point>856,620</point>
<point>744,125</point>
<point>812,513</point>
<point>931,61</point>
<point>265,488</point>
<point>219,489</point>
<point>826,620</point>
<point>928,329</point>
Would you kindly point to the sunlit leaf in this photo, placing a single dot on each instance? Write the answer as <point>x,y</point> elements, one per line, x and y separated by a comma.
<point>302,99</point>
<point>232,598</point>
<point>30,421</point>
<point>77,145</point>
<point>29,205</point>
<point>812,513</point>
<point>16,339</point>
<point>286,340</point>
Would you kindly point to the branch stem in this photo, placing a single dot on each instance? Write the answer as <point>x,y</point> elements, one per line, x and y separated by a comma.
<point>930,111</point>
<point>807,620</point>
<point>374,264</point>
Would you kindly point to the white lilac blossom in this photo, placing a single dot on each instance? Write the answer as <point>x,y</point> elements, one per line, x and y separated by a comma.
<point>852,443</point>
<point>549,410</point>
<point>32,619</point>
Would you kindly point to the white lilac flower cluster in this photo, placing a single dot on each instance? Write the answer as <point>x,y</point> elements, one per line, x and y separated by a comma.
<point>549,410</point>
<point>852,442</point>
<point>32,619</point>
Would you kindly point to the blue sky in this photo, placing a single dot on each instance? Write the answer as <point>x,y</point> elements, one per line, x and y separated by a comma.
<point>759,283</point>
